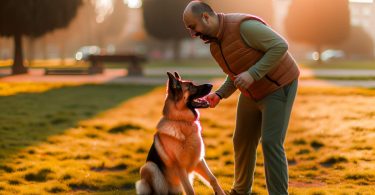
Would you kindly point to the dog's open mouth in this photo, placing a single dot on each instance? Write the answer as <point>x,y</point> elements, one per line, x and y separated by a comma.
<point>200,103</point>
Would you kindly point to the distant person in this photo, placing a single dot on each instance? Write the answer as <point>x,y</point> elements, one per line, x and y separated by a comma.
<point>256,61</point>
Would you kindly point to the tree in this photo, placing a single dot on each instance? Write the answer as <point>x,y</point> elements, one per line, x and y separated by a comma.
<point>318,22</point>
<point>113,24</point>
<point>359,44</point>
<point>163,20</point>
<point>33,18</point>
<point>261,8</point>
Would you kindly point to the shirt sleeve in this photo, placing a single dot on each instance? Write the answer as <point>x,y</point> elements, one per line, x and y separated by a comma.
<point>227,88</point>
<point>261,37</point>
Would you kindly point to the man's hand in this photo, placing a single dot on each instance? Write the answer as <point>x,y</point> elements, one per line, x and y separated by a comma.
<point>243,80</point>
<point>213,99</point>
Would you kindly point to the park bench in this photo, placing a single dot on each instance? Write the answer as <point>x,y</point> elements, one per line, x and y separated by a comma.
<point>134,65</point>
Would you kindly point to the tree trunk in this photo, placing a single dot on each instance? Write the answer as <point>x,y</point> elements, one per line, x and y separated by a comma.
<point>319,50</point>
<point>31,51</point>
<point>18,66</point>
<point>62,53</point>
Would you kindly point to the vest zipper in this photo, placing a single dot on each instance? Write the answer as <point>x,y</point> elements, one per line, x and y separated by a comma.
<point>226,63</point>
<point>269,78</point>
<point>222,54</point>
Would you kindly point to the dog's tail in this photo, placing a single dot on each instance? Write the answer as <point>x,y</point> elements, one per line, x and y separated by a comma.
<point>152,180</point>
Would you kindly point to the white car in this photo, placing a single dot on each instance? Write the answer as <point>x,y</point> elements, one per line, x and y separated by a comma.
<point>84,52</point>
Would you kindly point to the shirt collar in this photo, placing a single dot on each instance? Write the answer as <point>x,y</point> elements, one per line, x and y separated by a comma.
<point>221,18</point>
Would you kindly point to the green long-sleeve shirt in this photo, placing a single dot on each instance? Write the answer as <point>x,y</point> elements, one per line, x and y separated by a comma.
<point>260,37</point>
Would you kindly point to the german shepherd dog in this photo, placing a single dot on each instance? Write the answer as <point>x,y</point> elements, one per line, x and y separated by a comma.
<point>178,151</point>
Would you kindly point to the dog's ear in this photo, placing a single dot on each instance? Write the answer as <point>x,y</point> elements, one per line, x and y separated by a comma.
<point>174,86</point>
<point>177,75</point>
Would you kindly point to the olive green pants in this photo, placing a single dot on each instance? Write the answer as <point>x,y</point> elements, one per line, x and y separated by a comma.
<point>266,119</point>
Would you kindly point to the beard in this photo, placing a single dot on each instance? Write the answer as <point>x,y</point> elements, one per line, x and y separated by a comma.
<point>206,38</point>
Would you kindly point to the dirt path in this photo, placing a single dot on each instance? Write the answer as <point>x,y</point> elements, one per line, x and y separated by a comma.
<point>118,76</point>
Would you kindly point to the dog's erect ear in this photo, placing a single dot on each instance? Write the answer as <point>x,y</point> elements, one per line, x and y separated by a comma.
<point>177,75</point>
<point>174,86</point>
<point>172,80</point>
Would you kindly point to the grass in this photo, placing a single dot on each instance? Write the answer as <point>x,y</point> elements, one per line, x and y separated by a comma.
<point>92,139</point>
<point>202,63</point>
<point>340,64</point>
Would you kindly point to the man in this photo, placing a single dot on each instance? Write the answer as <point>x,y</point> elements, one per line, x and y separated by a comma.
<point>256,61</point>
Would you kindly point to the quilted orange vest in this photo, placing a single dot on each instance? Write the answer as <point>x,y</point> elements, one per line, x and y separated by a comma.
<point>235,57</point>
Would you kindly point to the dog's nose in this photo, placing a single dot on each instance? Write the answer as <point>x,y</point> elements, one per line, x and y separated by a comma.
<point>208,86</point>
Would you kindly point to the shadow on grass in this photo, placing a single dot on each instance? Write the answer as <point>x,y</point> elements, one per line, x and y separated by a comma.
<point>30,118</point>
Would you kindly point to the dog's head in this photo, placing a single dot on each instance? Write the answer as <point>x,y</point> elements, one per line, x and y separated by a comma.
<point>186,93</point>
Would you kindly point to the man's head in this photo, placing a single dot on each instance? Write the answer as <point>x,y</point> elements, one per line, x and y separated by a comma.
<point>201,20</point>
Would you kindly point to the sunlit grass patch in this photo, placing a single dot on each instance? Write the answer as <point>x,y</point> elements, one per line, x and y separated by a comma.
<point>40,176</point>
<point>7,89</point>
<point>360,176</point>
<point>330,161</point>
<point>96,138</point>
<point>123,128</point>
<point>316,144</point>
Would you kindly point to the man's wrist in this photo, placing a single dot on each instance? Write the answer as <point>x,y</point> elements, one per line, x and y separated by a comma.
<point>219,95</point>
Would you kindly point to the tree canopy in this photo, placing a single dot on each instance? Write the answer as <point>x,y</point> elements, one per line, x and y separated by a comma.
<point>359,44</point>
<point>33,18</point>
<point>163,19</point>
<point>318,22</point>
<point>261,8</point>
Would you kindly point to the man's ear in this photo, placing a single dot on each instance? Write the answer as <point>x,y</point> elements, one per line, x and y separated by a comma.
<point>205,17</point>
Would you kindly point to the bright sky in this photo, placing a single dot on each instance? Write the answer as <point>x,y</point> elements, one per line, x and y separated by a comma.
<point>133,3</point>
<point>104,8</point>
<point>362,1</point>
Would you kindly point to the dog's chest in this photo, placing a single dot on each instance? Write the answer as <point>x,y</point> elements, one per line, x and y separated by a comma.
<point>192,150</point>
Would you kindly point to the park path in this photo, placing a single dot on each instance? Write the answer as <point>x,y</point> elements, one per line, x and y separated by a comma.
<point>153,77</point>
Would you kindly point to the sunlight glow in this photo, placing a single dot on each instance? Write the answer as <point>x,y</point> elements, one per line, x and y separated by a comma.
<point>103,8</point>
<point>361,1</point>
<point>133,3</point>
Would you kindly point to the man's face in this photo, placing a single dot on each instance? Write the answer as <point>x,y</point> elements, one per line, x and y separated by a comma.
<point>197,27</point>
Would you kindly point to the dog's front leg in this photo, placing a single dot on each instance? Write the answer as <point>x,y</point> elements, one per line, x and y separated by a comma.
<point>203,170</point>
<point>184,178</point>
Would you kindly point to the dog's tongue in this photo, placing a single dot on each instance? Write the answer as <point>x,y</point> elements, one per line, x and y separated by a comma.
<point>200,103</point>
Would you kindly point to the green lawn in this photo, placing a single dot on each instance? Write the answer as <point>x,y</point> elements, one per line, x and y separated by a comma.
<point>92,139</point>
<point>209,62</point>
<point>340,64</point>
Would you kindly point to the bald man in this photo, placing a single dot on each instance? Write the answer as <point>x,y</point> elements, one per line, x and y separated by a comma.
<point>256,61</point>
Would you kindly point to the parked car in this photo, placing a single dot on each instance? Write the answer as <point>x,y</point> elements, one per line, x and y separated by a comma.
<point>326,55</point>
<point>331,54</point>
<point>84,52</point>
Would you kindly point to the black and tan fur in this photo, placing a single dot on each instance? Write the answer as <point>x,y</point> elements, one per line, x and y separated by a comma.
<point>178,150</point>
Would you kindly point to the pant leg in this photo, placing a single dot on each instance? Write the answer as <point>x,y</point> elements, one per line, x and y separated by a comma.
<point>276,109</point>
<point>245,140</point>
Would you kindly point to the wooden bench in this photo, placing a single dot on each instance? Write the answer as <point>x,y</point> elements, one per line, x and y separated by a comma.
<point>134,68</point>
